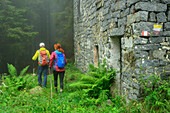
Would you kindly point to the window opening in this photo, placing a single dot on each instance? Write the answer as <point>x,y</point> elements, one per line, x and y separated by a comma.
<point>96,55</point>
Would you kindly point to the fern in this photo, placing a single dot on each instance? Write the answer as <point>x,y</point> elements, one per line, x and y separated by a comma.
<point>80,85</point>
<point>14,82</point>
<point>88,79</point>
<point>23,71</point>
<point>12,70</point>
<point>96,83</point>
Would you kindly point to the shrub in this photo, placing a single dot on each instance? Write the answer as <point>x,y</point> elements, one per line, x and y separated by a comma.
<point>95,84</point>
<point>156,93</point>
<point>12,82</point>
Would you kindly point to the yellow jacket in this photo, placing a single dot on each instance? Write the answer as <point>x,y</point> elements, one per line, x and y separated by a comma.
<point>37,54</point>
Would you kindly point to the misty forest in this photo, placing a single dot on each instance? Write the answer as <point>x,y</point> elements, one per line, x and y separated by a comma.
<point>24,24</point>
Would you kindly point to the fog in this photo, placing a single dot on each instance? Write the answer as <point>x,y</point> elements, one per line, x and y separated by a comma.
<point>26,23</point>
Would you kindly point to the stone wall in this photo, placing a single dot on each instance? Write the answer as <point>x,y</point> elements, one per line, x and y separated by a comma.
<point>114,31</point>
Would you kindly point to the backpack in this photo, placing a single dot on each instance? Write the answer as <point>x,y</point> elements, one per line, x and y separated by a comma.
<point>43,58</point>
<point>60,60</point>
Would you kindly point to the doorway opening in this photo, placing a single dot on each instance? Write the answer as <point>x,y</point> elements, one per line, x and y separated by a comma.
<point>115,59</point>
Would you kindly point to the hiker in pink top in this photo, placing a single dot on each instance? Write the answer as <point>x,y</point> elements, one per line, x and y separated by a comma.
<point>60,61</point>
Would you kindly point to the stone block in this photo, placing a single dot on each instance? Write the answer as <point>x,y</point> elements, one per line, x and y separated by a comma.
<point>113,20</point>
<point>166,1</point>
<point>149,70</point>
<point>92,22</point>
<point>141,54</point>
<point>147,47</point>
<point>128,42</point>
<point>141,41</point>
<point>125,76</point>
<point>117,31</point>
<point>115,14</point>
<point>159,69</point>
<point>132,96</point>
<point>105,11</point>
<point>125,86</point>
<point>159,54</point>
<point>122,22</point>
<point>168,15</point>
<point>161,17</point>
<point>138,63</point>
<point>152,16</point>
<point>167,26</point>
<point>150,6</point>
<point>156,1</point>
<point>120,5</point>
<point>139,72</point>
<point>166,33</point>
<point>125,12</point>
<point>130,2</point>
<point>164,63</point>
<point>156,40</point>
<point>153,63</point>
<point>107,17</point>
<point>147,63</point>
<point>139,16</point>
<point>167,68</point>
<point>105,23</point>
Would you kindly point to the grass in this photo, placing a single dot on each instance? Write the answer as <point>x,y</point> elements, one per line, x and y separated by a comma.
<point>28,101</point>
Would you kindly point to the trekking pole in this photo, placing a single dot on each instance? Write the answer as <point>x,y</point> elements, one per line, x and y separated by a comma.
<point>33,73</point>
<point>50,82</point>
<point>66,81</point>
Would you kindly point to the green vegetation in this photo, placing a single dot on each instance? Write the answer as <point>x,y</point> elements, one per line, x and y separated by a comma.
<point>83,93</point>
<point>26,23</point>
<point>16,34</point>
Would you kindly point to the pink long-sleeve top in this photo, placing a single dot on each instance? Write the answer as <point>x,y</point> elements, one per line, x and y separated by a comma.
<point>54,56</point>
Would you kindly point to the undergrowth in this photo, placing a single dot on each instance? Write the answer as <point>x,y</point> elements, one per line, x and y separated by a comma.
<point>83,93</point>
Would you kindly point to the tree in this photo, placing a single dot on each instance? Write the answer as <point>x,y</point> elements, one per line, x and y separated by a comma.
<point>15,34</point>
<point>13,24</point>
<point>64,23</point>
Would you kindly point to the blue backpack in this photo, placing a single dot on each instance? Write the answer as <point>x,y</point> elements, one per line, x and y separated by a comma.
<point>60,60</point>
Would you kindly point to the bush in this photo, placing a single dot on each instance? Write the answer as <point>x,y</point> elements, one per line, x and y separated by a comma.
<point>156,93</point>
<point>95,84</point>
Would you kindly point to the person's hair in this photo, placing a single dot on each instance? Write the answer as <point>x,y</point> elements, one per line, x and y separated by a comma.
<point>58,47</point>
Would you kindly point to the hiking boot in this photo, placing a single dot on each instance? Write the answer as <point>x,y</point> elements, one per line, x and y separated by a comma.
<point>61,92</point>
<point>55,91</point>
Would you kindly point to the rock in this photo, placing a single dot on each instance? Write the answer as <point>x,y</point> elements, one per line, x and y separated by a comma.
<point>152,17</point>
<point>139,16</point>
<point>150,6</point>
<point>36,90</point>
<point>161,17</point>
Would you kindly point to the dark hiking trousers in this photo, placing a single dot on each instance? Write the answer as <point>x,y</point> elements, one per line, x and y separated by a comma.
<point>61,76</point>
<point>44,70</point>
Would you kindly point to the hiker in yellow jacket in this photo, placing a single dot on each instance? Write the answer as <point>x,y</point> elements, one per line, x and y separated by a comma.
<point>43,56</point>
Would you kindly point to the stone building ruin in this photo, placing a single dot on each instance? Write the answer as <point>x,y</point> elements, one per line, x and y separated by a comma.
<point>128,33</point>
